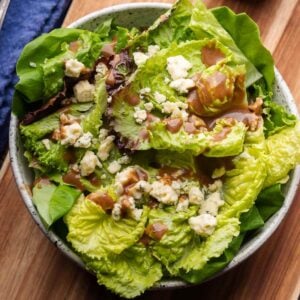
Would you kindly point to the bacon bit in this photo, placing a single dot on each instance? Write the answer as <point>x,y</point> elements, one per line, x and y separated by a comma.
<point>73,178</point>
<point>102,199</point>
<point>156,230</point>
<point>56,135</point>
<point>152,202</point>
<point>222,134</point>
<point>110,79</point>
<point>108,50</point>
<point>145,240</point>
<point>174,125</point>
<point>73,46</point>
<point>256,107</point>
<point>144,134</point>
<point>190,128</point>
<point>198,122</point>
<point>94,180</point>
<point>152,118</point>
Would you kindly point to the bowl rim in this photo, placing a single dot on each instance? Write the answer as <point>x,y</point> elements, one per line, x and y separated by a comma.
<point>246,250</point>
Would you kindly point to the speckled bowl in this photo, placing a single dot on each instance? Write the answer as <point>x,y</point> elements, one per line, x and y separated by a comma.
<point>142,15</point>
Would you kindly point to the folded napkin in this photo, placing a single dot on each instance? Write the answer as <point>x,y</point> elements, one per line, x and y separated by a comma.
<point>24,21</point>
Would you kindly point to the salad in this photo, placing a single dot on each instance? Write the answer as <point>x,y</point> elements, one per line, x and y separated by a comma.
<point>156,153</point>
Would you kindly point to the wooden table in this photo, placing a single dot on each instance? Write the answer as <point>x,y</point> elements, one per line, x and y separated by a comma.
<point>32,268</point>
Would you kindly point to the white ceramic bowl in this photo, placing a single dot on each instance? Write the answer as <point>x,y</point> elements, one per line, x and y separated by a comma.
<point>142,15</point>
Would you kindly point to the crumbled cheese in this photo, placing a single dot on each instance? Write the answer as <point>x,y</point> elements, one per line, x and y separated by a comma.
<point>219,172</point>
<point>70,133</point>
<point>182,205</point>
<point>211,204</point>
<point>123,176</point>
<point>103,133</point>
<point>136,213</point>
<point>140,188</point>
<point>124,160</point>
<point>177,113</point>
<point>84,91</point>
<point>204,224</point>
<point>163,193</point>
<point>75,167</point>
<point>145,90</point>
<point>148,106</point>
<point>46,143</point>
<point>114,167</point>
<point>116,211</point>
<point>196,195</point>
<point>84,141</point>
<point>88,163</point>
<point>140,115</point>
<point>105,147</point>
<point>127,202</point>
<point>139,58</point>
<point>160,98</point>
<point>109,99</point>
<point>176,185</point>
<point>182,85</point>
<point>178,67</point>
<point>101,69</point>
<point>73,68</point>
<point>216,186</point>
<point>152,49</point>
<point>168,107</point>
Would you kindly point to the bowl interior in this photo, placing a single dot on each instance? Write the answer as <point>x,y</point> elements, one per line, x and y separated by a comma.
<point>142,15</point>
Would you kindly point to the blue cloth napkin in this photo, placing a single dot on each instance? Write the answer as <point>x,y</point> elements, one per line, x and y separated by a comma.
<point>24,21</point>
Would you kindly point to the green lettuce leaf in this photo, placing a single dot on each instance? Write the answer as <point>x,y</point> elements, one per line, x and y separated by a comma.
<point>93,121</point>
<point>41,64</point>
<point>269,201</point>
<point>251,219</point>
<point>283,154</point>
<point>231,145</point>
<point>94,233</point>
<point>62,201</point>
<point>275,116</point>
<point>243,183</point>
<point>178,236</point>
<point>205,25</point>
<point>33,134</point>
<point>128,274</point>
<point>53,202</point>
<point>151,75</point>
<point>243,29</point>
<point>216,264</point>
<point>168,28</point>
<point>199,252</point>
<point>240,189</point>
<point>174,159</point>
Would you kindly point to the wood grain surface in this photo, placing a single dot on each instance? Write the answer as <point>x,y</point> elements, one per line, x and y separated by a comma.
<point>32,268</point>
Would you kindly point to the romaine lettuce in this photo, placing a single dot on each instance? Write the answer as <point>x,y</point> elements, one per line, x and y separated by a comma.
<point>130,273</point>
<point>95,233</point>
<point>178,236</point>
<point>205,25</point>
<point>243,29</point>
<point>282,154</point>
